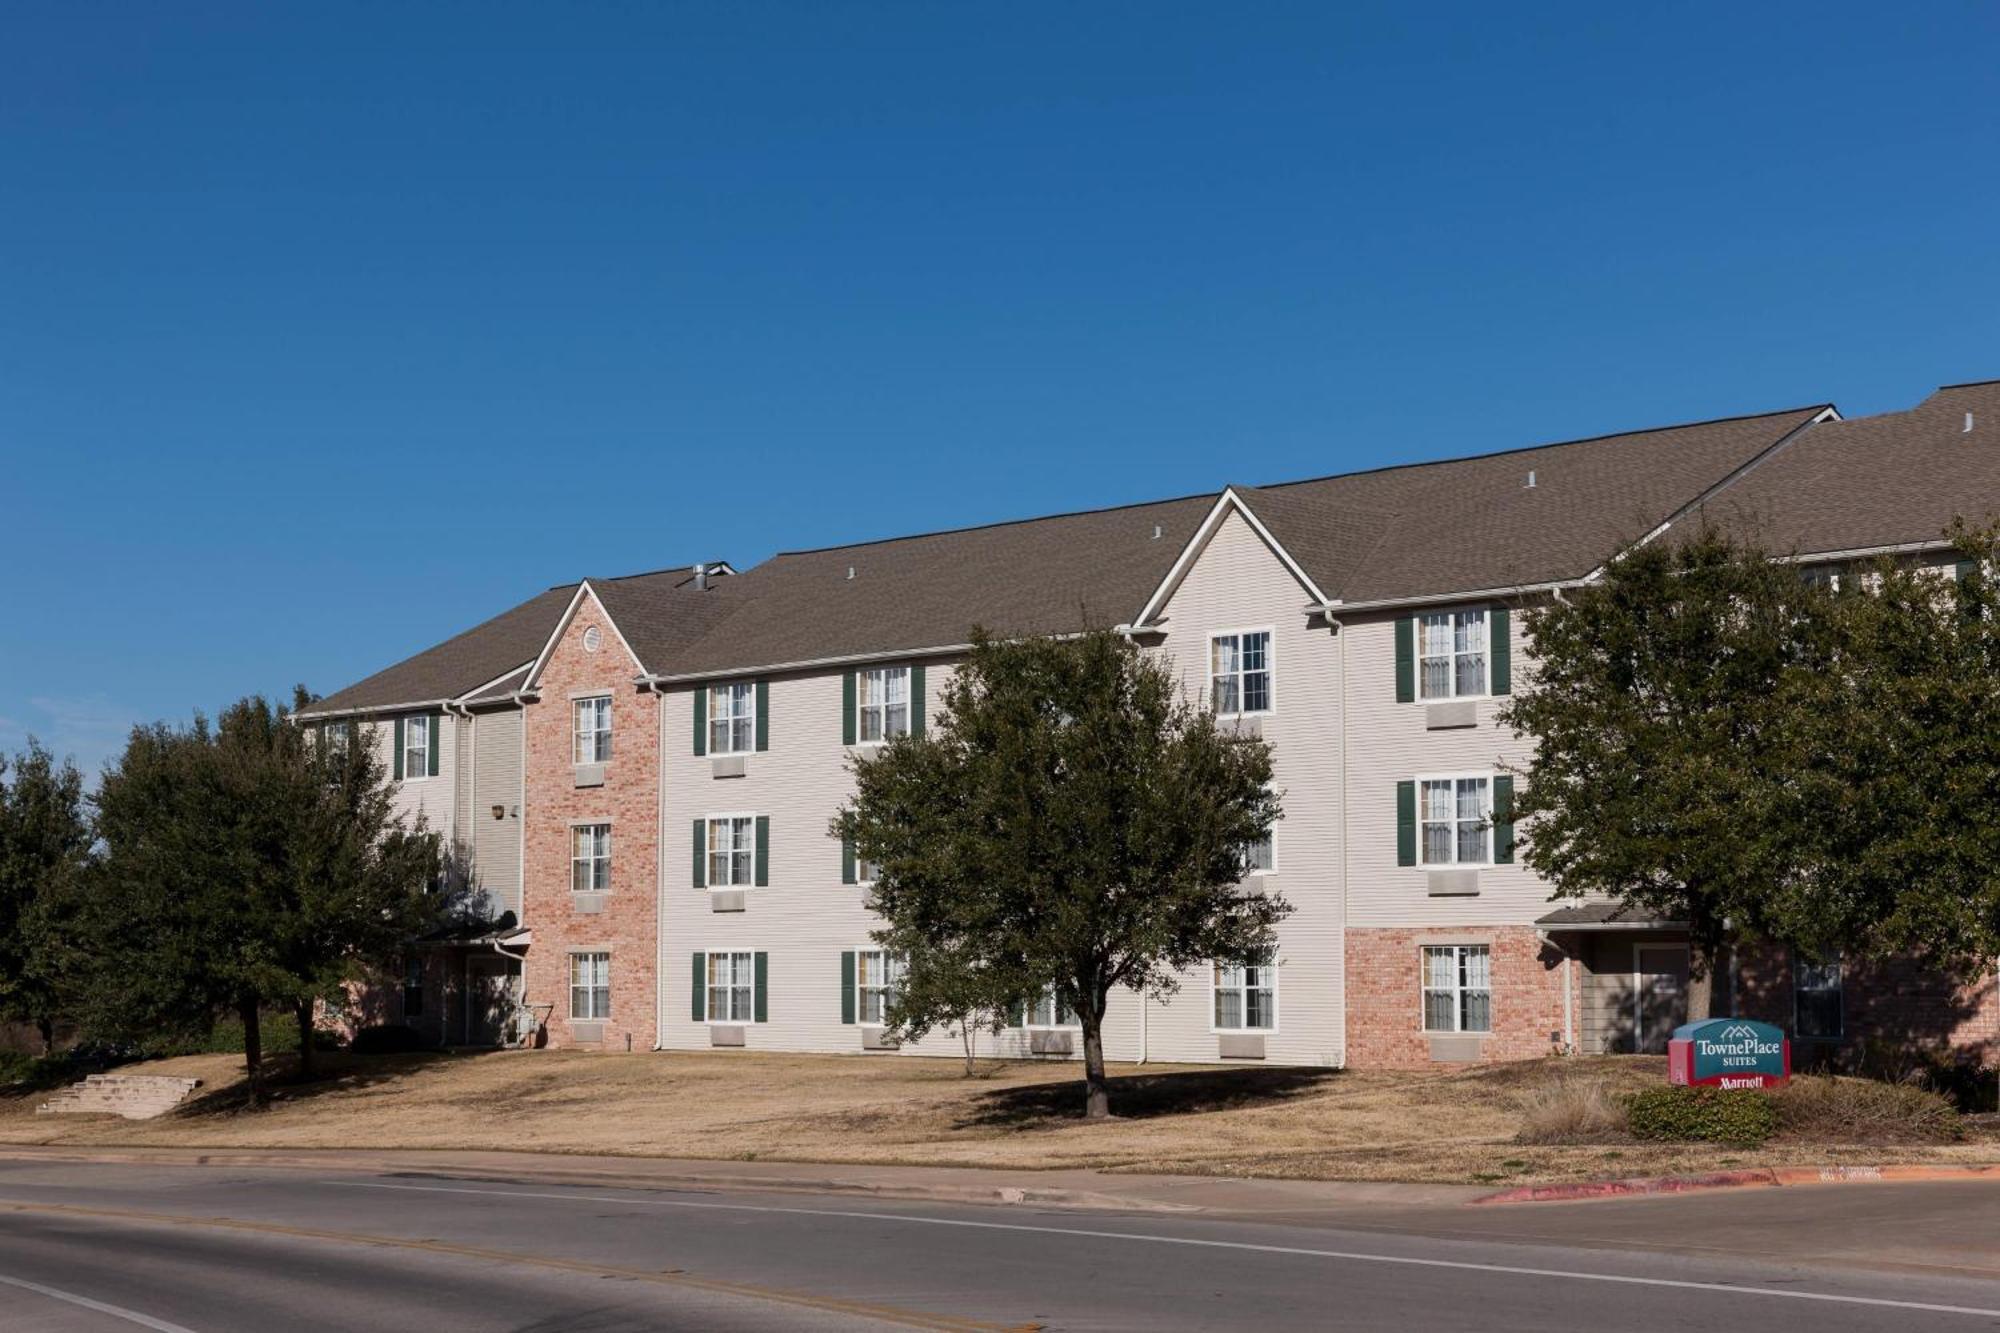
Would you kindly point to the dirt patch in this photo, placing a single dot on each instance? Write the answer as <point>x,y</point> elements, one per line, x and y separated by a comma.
<point>1458,1125</point>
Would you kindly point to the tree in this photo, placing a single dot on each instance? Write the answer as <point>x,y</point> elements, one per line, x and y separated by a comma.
<point>44,845</point>
<point>246,868</point>
<point>1070,824</point>
<point>1663,707</point>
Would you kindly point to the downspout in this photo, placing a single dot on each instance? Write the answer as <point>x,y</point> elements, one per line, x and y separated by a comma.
<point>659,869</point>
<point>1340,635</point>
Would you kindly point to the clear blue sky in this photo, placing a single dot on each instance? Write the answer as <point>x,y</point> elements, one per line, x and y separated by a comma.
<point>327,331</point>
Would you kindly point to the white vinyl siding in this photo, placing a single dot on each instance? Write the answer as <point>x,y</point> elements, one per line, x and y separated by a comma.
<point>1458,988</point>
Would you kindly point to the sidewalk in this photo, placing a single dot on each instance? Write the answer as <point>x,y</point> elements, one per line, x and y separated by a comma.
<point>1056,1189</point>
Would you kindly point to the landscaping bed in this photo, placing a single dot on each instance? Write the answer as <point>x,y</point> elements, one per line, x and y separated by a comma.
<point>1460,1125</point>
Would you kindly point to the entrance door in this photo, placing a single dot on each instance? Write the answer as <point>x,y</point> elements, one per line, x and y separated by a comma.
<point>1659,993</point>
<point>489,999</point>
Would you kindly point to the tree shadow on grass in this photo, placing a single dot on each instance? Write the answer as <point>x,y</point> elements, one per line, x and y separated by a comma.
<point>1145,1096</point>
<point>338,1071</point>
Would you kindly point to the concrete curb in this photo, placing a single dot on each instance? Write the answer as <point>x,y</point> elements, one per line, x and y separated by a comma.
<point>552,1174</point>
<point>1760,1177</point>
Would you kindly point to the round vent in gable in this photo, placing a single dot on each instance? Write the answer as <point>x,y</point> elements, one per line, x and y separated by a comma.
<point>593,637</point>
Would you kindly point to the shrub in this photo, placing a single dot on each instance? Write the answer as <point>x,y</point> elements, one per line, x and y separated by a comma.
<point>1860,1110</point>
<point>388,1039</point>
<point>1569,1110</point>
<point>1708,1115</point>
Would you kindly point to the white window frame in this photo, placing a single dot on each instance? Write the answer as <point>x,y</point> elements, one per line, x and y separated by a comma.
<point>1028,1023</point>
<point>746,983</point>
<point>865,870</point>
<point>1270,633</point>
<point>1478,775</point>
<point>1839,989</point>
<point>414,725</point>
<point>730,818</point>
<point>591,985</point>
<point>1270,837</point>
<point>600,737</point>
<point>1269,968</point>
<point>892,969</point>
<point>578,827</point>
<point>745,717</point>
<point>1485,690</point>
<point>339,734</point>
<point>1458,990</point>
<point>862,706</point>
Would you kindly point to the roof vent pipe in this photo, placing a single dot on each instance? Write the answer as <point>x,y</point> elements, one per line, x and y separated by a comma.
<point>1968,424</point>
<point>701,578</point>
<point>1156,532</point>
<point>1531,479</point>
<point>850,572</point>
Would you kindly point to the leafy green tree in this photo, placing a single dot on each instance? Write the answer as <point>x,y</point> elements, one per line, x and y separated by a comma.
<point>246,868</point>
<point>1663,705</point>
<point>44,846</point>
<point>1070,823</point>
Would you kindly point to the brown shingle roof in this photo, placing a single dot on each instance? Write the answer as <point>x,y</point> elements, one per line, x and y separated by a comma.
<point>1874,481</point>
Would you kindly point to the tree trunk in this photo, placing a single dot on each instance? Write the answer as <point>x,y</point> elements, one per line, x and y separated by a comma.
<point>1097,1093</point>
<point>1702,955</point>
<point>47,1027</point>
<point>965,1034</point>
<point>253,1054</point>
<point>307,1066</point>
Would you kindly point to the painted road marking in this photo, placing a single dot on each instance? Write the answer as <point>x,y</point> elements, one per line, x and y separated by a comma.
<point>1348,1256</point>
<point>115,1311</point>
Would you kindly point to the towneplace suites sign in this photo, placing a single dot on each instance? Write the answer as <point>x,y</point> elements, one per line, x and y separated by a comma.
<point>1729,1053</point>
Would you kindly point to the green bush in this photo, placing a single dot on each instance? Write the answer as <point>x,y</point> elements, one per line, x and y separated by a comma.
<point>1707,1115</point>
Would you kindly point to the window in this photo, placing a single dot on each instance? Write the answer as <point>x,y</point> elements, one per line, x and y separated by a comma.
<point>1260,855</point>
<point>1239,671</point>
<point>335,739</point>
<point>1457,821</point>
<point>1816,998</point>
<point>731,988</point>
<point>416,747</point>
<point>1048,1012</point>
<point>413,986</point>
<point>590,858</point>
<point>876,975</point>
<point>883,704</point>
<point>590,986</point>
<point>732,851</point>
<point>593,730</point>
<point>1451,652</point>
<point>1246,998</point>
<point>732,718</point>
<point>1458,988</point>
<point>865,870</point>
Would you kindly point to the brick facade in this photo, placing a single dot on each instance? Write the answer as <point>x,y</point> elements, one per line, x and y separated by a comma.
<point>1385,994</point>
<point>629,800</point>
<point>1888,1009</point>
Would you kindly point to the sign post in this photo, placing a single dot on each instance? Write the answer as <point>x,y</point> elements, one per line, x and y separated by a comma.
<point>1729,1053</point>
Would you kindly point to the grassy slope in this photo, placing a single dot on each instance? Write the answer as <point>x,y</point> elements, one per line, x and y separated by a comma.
<point>1434,1126</point>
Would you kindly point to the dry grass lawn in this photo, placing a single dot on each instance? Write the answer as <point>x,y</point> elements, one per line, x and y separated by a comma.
<point>1452,1126</point>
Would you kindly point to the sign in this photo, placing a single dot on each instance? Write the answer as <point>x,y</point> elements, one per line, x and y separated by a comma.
<point>1729,1053</point>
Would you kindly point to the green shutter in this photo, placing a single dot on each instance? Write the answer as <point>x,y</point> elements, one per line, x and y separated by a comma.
<point>397,761</point>
<point>1503,819</point>
<point>763,866</point>
<point>700,987</point>
<point>1406,823</point>
<point>701,853</point>
<point>847,708</point>
<point>700,720</point>
<point>763,965</point>
<point>434,722</point>
<point>1500,649</point>
<point>847,986</point>
<point>1406,660</point>
<point>916,701</point>
<point>847,875</point>
<point>763,716</point>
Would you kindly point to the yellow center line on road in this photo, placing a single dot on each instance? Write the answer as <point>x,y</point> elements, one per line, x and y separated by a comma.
<point>832,1305</point>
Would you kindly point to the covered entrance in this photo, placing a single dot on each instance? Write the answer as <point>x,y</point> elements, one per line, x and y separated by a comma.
<point>1630,976</point>
<point>492,994</point>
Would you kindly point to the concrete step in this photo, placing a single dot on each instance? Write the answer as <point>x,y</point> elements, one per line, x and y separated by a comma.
<point>132,1096</point>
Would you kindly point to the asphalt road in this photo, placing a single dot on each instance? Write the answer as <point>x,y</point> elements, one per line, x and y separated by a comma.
<point>113,1247</point>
